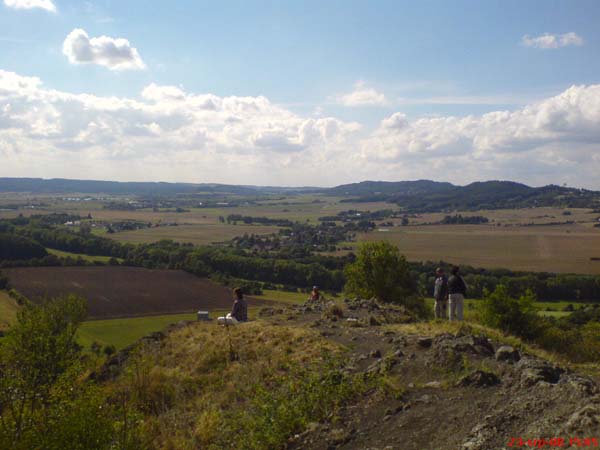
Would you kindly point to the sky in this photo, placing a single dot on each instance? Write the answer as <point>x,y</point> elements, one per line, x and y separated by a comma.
<point>299,93</point>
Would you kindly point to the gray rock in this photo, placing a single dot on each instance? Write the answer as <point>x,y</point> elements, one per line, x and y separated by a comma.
<point>508,354</point>
<point>425,342</point>
<point>479,378</point>
<point>533,371</point>
<point>375,354</point>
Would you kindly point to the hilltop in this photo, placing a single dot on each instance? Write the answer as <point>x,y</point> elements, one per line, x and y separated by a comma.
<point>403,384</point>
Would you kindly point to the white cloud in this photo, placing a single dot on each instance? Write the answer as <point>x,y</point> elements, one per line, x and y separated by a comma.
<point>170,134</point>
<point>48,5</point>
<point>114,53</point>
<point>551,41</point>
<point>559,136</point>
<point>166,133</point>
<point>362,96</point>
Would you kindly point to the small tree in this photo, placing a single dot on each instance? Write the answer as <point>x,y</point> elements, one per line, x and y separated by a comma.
<point>381,271</point>
<point>516,316</point>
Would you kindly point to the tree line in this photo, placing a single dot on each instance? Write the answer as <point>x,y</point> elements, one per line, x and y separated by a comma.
<point>290,259</point>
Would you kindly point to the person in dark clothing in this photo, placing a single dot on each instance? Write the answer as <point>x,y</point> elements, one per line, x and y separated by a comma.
<point>239,311</point>
<point>440,293</point>
<point>457,289</point>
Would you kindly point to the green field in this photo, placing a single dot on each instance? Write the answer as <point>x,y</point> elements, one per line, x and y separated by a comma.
<point>122,332</point>
<point>293,298</point>
<point>90,258</point>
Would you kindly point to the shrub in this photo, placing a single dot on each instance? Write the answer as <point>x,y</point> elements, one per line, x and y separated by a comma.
<point>516,316</point>
<point>381,271</point>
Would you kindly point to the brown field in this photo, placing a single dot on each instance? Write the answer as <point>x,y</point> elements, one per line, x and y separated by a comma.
<point>124,291</point>
<point>563,249</point>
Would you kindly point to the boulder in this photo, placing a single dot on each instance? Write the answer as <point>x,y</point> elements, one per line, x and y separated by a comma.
<point>507,353</point>
<point>535,370</point>
<point>479,378</point>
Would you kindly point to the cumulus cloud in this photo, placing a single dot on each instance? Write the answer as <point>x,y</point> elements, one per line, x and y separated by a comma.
<point>165,133</point>
<point>171,134</point>
<point>556,139</point>
<point>362,95</point>
<point>113,53</point>
<point>48,5</point>
<point>552,41</point>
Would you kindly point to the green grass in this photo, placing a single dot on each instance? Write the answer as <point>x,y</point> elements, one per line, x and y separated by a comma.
<point>284,297</point>
<point>90,258</point>
<point>122,332</point>
<point>8,310</point>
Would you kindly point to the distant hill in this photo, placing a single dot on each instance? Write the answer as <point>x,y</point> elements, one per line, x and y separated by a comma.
<point>61,185</point>
<point>424,195</point>
<point>385,188</point>
<point>413,196</point>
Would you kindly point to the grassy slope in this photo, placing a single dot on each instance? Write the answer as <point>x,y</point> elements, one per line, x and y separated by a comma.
<point>8,310</point>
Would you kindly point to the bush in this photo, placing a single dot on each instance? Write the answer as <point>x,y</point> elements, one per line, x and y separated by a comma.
<point>380,271</point>
<point>516,316</point>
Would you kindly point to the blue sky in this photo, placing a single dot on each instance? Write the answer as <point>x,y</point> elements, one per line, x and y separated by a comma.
<point>339,69</point>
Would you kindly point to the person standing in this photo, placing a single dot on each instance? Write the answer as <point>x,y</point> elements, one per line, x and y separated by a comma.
<point>457,289</point>
<point>440,293</point>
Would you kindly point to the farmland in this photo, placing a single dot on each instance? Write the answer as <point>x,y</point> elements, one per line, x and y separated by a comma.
<point>564,248</point>
<point>124,291</point>
<point>196,234</point>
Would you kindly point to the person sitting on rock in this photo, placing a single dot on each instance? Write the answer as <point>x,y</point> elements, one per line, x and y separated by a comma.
<point>239,311</point>
<point>315,295</point>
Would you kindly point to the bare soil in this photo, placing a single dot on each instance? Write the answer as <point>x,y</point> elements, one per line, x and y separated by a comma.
<point>124,291</point>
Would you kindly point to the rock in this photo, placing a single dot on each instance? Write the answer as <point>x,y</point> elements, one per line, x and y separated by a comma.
<point>584,422</point>
<point>479,378</point>
<point>375,354</point>
<point>507,353</point>
<point>398,354</point>
<point>433,384</point>
<point>581,384</point>
<point>424,398</point>
<point>478,345</point>
<point>425,342</point>
<point>533,371</point>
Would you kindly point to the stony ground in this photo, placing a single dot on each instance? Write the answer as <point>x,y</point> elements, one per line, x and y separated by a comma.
<point>436,390</point>
<point>446,391</point>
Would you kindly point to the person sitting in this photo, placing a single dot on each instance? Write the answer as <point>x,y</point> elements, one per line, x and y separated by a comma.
<point>315,295</point>
<point>239,311</point>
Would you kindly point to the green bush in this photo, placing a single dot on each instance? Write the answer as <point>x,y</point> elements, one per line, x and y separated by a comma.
<point>45,402</point>
<point>516,316</point>
<point>381,271</point>
<point>305,395</point>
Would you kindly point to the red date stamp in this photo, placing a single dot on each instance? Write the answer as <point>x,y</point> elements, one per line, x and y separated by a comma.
<point>554,442</point>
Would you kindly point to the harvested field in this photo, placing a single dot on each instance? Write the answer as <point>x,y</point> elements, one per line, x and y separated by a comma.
<point>565,249</point>
<point>124,291</point>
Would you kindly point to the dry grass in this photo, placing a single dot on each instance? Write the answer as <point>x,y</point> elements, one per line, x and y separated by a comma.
<point>550,248</point>
<point>190,387</point>
<point>8,310</point>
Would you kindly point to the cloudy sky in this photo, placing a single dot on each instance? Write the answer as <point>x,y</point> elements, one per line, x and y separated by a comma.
<point>301,92</point>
